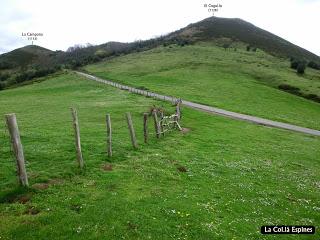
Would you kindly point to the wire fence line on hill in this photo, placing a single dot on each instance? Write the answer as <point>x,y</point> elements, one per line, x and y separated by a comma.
<point>146,93</point>
<point>209,109</point>
<point>27,131</point>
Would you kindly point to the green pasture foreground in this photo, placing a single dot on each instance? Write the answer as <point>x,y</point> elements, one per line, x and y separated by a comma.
<point>220,179</point>
<point>240,81</point>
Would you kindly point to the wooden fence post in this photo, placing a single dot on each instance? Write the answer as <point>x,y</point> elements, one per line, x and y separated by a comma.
<point>17,148</point>
<point>109,136</point>
<point>156,123</point>
<point>77,137</point>
<point>161,125</point>
<point>131,130</point>
<point>145,127</point>
<point>178,111</point>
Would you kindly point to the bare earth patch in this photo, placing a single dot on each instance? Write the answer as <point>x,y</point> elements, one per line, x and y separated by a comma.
<point>112,187</point>
<point>182,169</point>
<point>76,207</point>
<point>40,186</point>
<point>132,226</point>
<point>32,211</point>
<point>185,130</point>
<point>16,197</point>
<point>107,167</point>
<point>23,198</point>
<point>56,181</point>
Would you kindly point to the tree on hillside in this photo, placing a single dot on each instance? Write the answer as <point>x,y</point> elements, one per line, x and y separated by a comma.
<point>2,85</point>
<point>4,76</point>
<point>225,46</point>
<point>6,65</point>
<point>314,65</point>
<point>298,64</point>
<point>101,53</point>
<point>301,67</point>
<point>294,63</point>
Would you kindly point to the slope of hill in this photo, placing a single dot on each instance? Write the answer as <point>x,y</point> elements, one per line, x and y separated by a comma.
<point>210,29</point>
<point>239,30</point>
<point>24,64</point>
<point>238,176</point>
<point>81,55</point>
<point>240,81</point>
<point>228,32</point>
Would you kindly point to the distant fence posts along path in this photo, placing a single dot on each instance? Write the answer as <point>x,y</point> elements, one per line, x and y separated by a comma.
<point>17,148</point>
<point>222,112</point>
<point>77,137</point>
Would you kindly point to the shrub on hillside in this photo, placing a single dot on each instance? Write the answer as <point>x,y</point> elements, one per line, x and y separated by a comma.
<point>294,64</point>
<point>33,73</point>
<point>290,89</point>
<point>314,65</point>
<point>4,76</point>
<point>24,76</point>
<point>298,64</point>
<point>74,64</point>
<point>6,65</point>
<point>226,45</point>
<point>313,97</point>
<point>101,53</point>
<point>182,42</point>
<point>165,44</point>
<point>301,67</point>
<point>2,85</point>
<point>296,91</point>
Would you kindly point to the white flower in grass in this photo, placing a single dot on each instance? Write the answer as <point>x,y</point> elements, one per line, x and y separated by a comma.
<point>316,208</point>
<point>78,230</point>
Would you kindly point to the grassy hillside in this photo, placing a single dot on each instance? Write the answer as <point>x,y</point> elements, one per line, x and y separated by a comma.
<point>239,175</point>
<point>26,63</point>
<point>22,65</point>
<point>240,81</point>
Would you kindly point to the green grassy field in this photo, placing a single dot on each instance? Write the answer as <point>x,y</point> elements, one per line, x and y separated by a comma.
<point>239,175</point>
<point>239,81</point>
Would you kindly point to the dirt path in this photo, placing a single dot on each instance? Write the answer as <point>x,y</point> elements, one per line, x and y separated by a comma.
<point>205,108</point>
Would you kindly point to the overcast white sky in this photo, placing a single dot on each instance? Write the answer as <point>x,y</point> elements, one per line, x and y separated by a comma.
<point>68,22</point>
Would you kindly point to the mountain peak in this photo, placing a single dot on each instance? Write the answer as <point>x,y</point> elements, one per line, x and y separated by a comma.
<point>238,29</point>
<point>25,55</point>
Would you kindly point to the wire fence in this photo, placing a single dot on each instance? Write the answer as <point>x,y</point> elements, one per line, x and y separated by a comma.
<point>172,99</point>
<point>51,138</point>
